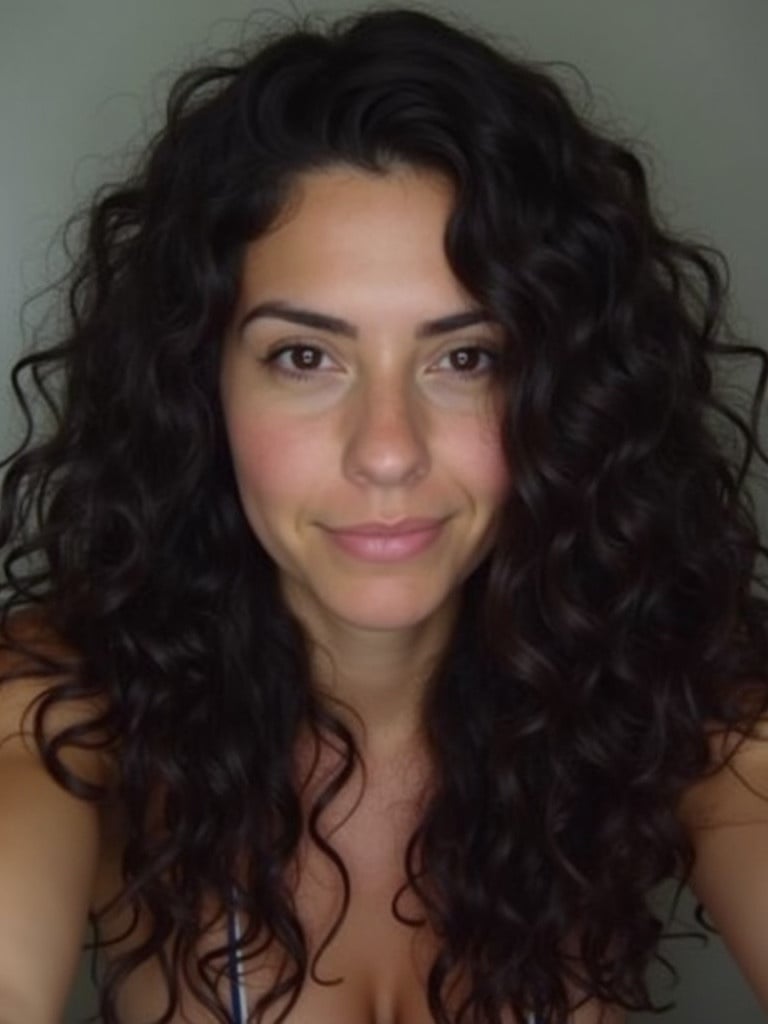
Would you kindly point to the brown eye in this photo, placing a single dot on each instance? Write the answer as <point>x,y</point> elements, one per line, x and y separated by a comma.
<point>470,361</point>
<point>297,361</point>
<point>465,359</point>
<point>304,357</point>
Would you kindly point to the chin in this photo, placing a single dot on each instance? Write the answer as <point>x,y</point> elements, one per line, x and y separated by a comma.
<point>382,609</point>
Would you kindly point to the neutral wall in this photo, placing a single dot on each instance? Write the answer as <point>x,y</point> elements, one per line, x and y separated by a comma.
<point>81,81</point>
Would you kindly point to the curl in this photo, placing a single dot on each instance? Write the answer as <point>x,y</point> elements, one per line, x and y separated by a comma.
<point>618,616</point>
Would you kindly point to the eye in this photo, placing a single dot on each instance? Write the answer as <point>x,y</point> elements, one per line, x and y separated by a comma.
<point>470,360</point>
<point>297,360</point>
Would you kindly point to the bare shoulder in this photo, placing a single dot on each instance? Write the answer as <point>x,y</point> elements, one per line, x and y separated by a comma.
<point>734,792</point>
<point>35,669</point>
<point>49,839</point>
<point>726,816</point>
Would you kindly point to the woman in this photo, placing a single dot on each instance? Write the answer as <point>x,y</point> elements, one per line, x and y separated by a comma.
<point>380,617</point>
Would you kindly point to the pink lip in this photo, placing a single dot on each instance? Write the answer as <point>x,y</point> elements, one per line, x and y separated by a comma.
<point>388,542</point>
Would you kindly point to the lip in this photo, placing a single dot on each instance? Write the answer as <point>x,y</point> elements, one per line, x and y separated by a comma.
<point>396,529</point>
<point>387,542</point>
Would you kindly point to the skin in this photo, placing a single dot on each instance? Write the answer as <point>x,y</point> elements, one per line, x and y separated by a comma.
<point>726,815</point>
<point>382,429</point>
<point>383,426</point>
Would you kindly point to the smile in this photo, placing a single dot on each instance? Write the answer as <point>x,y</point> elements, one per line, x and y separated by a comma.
<point>373,542</point>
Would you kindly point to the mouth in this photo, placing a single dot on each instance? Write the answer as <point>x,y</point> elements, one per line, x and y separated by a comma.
<point>387,542</point>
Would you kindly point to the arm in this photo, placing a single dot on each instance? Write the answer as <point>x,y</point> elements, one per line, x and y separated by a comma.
<point>726,816</point>
<point>49,843</point>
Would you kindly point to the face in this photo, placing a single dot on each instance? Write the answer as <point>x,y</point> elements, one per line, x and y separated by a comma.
<point>361,404</point>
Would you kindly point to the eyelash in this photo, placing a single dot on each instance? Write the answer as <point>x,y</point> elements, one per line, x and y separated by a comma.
<point>271,361</point>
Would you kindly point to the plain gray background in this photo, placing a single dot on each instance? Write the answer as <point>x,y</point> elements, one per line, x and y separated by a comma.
<point>82,81</point>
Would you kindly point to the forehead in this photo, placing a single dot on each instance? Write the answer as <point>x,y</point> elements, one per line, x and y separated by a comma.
<point>346,235</point>
<point>350,195</point>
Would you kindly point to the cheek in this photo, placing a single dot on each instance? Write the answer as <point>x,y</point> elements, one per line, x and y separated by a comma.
<point>491,482</point>
<point>477,456</point>
<point>274,459</point>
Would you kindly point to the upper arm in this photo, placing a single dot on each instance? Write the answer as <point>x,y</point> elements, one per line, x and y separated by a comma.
<point>49,844</point>
<point>726,815</point>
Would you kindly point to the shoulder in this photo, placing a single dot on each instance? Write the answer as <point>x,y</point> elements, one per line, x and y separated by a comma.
<point>42,709</point>
<point>49,837</point>
<point>39,694</point>
<point>734,790</point>
<point>725,814</point>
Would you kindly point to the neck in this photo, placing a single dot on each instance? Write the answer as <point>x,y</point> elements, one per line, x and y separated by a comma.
<point>377,680</point>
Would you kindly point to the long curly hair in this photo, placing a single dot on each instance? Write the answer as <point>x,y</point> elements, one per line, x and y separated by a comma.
<point>618,617</point>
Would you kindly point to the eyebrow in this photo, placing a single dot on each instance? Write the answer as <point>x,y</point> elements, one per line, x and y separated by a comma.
<point>335,325</point>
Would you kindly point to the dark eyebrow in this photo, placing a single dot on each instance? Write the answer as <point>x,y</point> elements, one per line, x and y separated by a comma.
<point>302,317</point>
<point>335,325</point>
<point>455,322</point>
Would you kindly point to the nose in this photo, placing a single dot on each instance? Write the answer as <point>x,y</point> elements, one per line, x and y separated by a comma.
<point>386,443</point>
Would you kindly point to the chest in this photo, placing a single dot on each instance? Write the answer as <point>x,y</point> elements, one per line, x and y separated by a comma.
<point>367,965</point>
<point>372,968</point>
